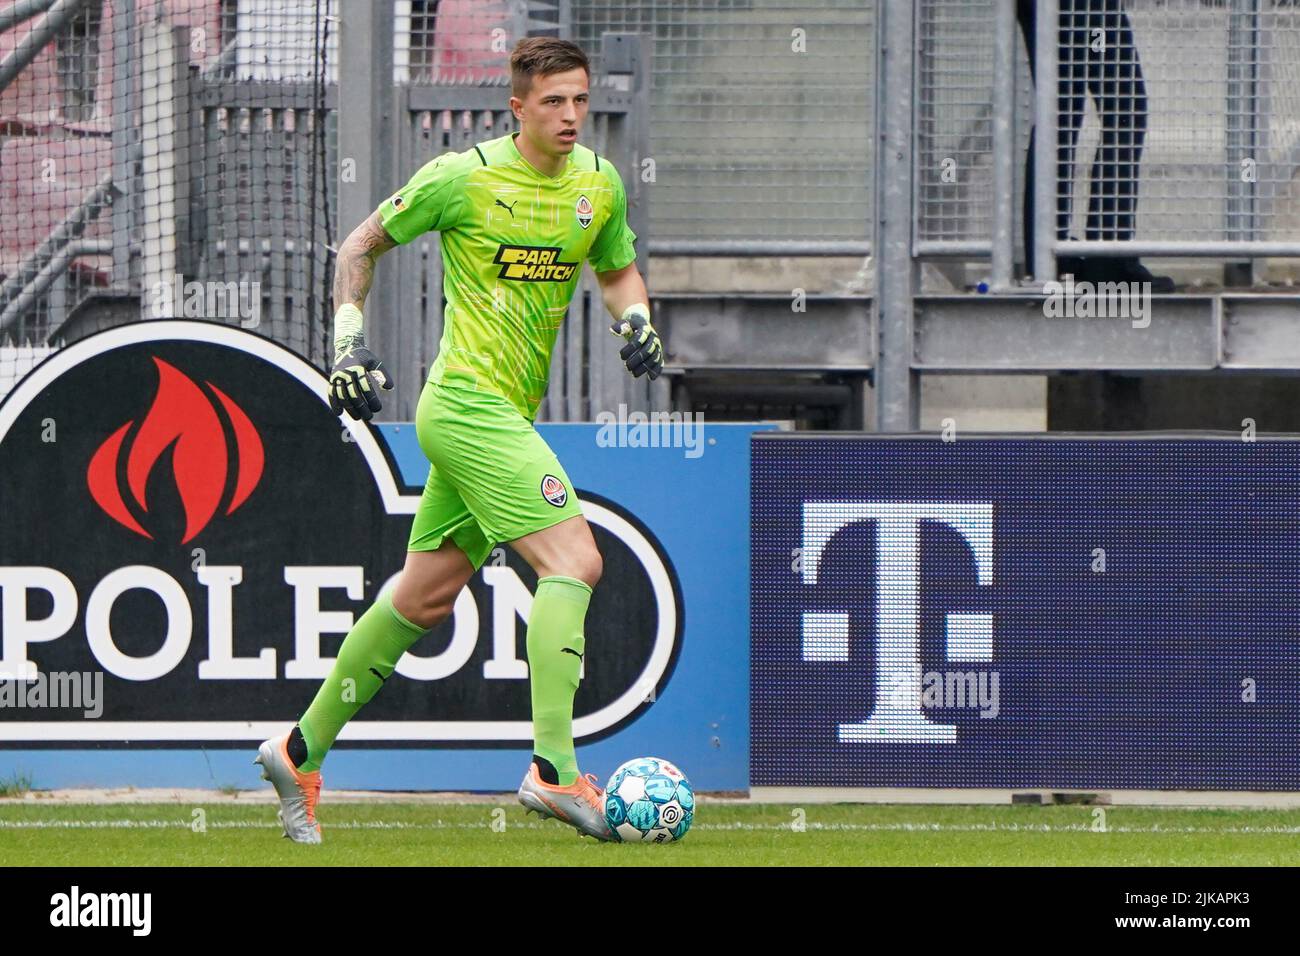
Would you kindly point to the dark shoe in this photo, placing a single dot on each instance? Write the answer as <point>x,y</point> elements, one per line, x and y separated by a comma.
<point>1080,267</point>
<point>1129,269</point>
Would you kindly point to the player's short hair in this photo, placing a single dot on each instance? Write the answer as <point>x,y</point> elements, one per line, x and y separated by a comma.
<point>542,56</point>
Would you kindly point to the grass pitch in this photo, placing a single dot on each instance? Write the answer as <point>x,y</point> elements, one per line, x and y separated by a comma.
<point>724,833</point>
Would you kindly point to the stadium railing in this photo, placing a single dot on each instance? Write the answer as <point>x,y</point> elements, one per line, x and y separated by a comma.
<point>212,152</point>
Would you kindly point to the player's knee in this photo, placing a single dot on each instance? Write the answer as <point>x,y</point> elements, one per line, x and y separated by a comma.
<point>427,611</point>
<point>585,565</point>
<point>588,566</point>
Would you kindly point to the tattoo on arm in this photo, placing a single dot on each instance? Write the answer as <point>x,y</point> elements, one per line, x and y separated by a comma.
<point>354,269</point>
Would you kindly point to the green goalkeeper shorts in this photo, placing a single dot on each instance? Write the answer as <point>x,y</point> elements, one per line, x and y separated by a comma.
<point>492,478</point>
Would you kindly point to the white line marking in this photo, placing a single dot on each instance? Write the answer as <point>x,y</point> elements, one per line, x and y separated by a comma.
<point>756,827</point>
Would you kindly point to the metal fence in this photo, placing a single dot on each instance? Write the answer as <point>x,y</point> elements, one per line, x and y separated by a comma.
<point>145,140</point>
<point>1178,126</point>
<point>955,112</point>
<point>465,42</point>
<point>55,113</point>
<point>161,150</point>
<point>761,120</point>
<point>181,158</point>
<point>263,208</point>
<point>1222,138</point>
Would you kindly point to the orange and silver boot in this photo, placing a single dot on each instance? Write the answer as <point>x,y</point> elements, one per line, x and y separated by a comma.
<point>298,792</point>
<point>581,804</point>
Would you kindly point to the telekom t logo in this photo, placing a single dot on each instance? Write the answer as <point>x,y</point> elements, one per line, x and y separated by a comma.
<point>897,716</point>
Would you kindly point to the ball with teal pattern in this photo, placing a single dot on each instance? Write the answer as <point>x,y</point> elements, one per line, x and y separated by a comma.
<point>648,800</point>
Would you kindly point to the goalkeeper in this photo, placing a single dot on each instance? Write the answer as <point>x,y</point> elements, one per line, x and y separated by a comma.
<point>517,216</point>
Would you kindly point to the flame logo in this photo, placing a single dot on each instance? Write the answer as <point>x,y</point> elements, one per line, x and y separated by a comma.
<point>182,414</point>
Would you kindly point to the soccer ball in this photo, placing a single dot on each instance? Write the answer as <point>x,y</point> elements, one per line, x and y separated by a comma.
<point>649,800</point>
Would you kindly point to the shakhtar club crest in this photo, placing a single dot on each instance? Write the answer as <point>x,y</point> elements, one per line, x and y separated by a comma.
<point>584,211</point>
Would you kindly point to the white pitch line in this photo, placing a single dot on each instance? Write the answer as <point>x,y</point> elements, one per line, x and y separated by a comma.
<point>755,827</point>
<point>232,825</point>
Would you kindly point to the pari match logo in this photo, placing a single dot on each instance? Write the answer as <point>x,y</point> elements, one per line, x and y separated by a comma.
<point>186,516</point>
<point>533,264</point>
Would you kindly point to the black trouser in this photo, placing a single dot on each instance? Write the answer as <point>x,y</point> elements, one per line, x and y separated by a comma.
<point>1112,77</point>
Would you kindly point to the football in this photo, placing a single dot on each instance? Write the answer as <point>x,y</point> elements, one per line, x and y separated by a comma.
<point>649,800</point>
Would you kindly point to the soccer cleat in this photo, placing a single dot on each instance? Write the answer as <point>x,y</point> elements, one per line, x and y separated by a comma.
<point>298,792</point>
<point>581,804</point>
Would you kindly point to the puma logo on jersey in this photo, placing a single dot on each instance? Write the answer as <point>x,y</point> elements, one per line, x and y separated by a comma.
<point>533,264</point>
<point>510,209</point>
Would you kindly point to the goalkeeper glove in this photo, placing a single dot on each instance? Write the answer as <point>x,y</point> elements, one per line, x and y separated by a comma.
<point>352,380</point>
<point>644,351</point>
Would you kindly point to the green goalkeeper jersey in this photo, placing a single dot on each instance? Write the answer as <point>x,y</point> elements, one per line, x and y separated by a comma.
<point>513,243</point>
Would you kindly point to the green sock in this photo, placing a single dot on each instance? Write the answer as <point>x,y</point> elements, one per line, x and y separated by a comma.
<point>368,656</point>
<point>555,648</point>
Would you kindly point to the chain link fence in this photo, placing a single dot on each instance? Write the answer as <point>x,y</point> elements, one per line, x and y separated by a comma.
<point>1179,120</point>
<point>1221,157</point>
<point>261,166</point>
<point>164,158</point>
<point>954,121</point>
<point>180,157</point>
<point>56,112</point>
<point>761,118</point>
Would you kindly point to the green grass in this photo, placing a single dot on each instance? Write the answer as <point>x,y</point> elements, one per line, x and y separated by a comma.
<point>16,784</point>
<point>403,834</point>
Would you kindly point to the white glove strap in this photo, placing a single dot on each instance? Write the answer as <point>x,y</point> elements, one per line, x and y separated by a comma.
<point>347,326</point>
<point>626,323</point>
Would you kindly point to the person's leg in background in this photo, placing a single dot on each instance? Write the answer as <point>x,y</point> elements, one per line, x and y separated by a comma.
<point>1027,18</point>
<point>1071,100</point>
<point>1118,91</point>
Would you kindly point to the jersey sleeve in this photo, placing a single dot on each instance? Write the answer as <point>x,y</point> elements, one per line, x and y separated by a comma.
<point>432,200</point>
<point>613,247</point>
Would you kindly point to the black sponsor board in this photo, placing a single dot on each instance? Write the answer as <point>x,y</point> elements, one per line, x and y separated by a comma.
<point>183,514</point>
